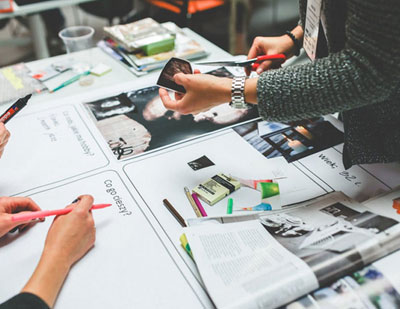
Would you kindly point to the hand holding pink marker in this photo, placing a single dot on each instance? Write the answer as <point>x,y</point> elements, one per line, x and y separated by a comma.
<point>45,213</point>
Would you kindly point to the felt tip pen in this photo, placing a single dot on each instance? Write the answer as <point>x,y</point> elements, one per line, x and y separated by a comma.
<point>71,80</point>
<point>173,211</point>
<point>199,205</point>
<point>260,207</point>
<point>45,213</point>
<point>14,109</point>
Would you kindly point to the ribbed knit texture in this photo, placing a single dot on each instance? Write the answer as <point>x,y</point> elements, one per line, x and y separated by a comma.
<point>360,78</point>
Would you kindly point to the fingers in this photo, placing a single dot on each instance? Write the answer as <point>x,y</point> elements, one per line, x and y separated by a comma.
<point>263,66</point>
<point>17,204</point>
<point>166,99</point>
<point>181,79</point>
<point>85,203</point>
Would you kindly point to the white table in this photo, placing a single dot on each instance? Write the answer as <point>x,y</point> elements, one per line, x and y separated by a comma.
<point>118,79</point>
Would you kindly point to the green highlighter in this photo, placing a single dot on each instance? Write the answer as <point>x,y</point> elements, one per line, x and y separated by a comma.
<point>70,81</point>
<point>229,207</point>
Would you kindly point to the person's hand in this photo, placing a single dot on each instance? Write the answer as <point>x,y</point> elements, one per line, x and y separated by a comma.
<point>203,92</point>
<point>4,136</point>
<point>70,236</point>
<point>13,205</point>
<point>270,46</point>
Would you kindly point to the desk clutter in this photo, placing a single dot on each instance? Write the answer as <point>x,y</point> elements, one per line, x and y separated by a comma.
<point>218,209</point>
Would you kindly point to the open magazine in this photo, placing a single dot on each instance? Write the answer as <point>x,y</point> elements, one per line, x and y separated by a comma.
<point>267,260</point>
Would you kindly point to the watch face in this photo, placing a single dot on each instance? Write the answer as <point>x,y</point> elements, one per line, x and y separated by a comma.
<point>174,66</point>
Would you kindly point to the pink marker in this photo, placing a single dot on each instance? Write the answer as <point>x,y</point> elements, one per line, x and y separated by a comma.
<point>45,213</point>
<point>199,206</point>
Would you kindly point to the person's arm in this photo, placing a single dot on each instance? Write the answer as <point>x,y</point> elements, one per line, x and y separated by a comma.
<point>365,72</point>
<point>205,91</point>
<point>69,238</point>
<point>4,136</point>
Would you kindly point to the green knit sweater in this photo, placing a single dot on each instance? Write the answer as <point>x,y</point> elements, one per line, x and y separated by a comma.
<point>360,78</point>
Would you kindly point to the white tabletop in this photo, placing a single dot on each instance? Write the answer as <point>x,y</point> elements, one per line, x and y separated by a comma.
<point>119,79</point>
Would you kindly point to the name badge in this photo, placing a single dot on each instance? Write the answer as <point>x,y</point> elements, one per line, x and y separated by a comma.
<point>313,15</point>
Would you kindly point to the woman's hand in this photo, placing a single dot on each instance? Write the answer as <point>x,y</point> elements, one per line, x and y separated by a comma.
<point>72,235</point>
<point>203,92</point>
<point>69,238</point>
<point>4,136</point>
<point>273,45</point>
<point>13,205</point>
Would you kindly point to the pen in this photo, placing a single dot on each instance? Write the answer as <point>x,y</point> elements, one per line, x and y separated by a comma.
<point>174,212</point>
<point>229,206</point>
<point>70,81</point>
<point>192,203</point>
<point>14,109</point>
<point>199,206</point>
<point>45,213</point>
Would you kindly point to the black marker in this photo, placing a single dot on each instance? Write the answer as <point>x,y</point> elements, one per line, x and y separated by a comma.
<point>14,109</point>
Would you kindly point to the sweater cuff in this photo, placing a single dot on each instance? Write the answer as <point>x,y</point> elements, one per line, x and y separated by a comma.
<point>25,301</point>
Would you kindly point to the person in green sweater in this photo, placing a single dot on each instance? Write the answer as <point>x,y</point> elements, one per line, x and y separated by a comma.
<point>356,72</point>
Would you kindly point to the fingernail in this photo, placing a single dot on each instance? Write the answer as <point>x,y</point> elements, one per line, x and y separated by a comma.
<point>259,71</point>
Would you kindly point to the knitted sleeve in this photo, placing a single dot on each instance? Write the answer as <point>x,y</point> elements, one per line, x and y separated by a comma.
<point>366,71</point>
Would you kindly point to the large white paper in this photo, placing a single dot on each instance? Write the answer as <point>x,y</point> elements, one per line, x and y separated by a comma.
<point>165,174</point>
<point>129,267</point>
<point>47,147</point>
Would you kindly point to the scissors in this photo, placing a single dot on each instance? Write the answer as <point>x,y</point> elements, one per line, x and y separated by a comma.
<point>253,63</point>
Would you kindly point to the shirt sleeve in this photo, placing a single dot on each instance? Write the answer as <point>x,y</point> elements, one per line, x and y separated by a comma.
<point>365,71</point>
<point>24,301</point>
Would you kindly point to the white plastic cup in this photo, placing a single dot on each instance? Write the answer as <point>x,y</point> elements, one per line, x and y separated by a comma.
<point>77,38</point>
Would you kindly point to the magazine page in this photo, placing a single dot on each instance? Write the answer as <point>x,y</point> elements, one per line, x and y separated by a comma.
<point>333,235</point>
<point>239,261</point>
<point>374,287</point>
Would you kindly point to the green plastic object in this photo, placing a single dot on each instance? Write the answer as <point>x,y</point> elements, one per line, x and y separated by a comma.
<point>159,47</point>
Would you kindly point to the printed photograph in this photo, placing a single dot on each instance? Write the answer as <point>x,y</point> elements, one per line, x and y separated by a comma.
<point>292,141</point>
<point>136,121</point>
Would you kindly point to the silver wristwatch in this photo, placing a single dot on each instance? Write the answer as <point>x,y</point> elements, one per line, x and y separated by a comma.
<point>238,93</point>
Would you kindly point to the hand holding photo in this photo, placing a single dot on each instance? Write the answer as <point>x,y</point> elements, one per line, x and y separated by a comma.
<point>174,66</point>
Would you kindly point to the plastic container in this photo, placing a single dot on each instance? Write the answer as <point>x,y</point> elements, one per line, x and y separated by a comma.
<point>77,38</point>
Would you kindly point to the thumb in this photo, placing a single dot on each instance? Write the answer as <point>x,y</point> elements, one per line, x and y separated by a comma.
<point>181,79</point>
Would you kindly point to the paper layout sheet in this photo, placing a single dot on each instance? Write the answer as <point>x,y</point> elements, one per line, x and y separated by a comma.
<point>164,175</point>
<point>245,267</point>
<point>128,266</point>
<point>47,147</point>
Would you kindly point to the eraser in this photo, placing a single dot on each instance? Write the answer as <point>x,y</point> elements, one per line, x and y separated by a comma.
<point>100,69</point>
<point>216,188</point>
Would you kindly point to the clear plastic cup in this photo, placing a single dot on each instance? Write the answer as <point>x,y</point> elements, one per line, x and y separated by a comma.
<point>77,38</point>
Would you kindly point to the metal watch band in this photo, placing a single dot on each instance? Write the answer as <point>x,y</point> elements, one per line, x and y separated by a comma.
<point>238,93</point>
